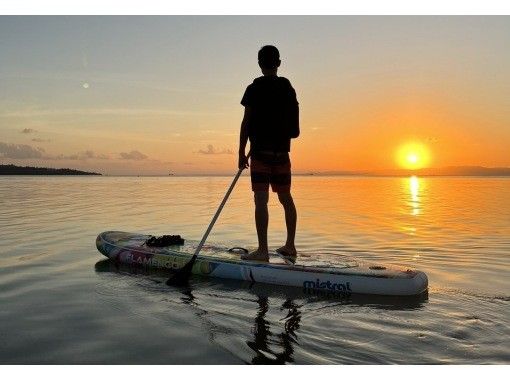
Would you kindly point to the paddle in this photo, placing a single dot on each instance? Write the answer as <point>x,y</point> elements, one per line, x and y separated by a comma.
<point>181,276</point>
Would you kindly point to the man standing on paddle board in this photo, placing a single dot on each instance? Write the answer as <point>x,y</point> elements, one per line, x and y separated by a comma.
<point>271,119</point>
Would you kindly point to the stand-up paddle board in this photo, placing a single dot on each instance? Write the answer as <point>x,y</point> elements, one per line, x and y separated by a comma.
<point>216,261</point>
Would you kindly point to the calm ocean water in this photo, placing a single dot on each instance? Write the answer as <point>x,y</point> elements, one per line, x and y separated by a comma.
<point>61,302</point>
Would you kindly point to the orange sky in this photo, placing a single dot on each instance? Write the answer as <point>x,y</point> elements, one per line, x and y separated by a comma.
<point>156,95</point>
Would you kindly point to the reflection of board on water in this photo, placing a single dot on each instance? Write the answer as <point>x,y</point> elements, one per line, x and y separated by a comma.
<point>268,316</point>
<point>351,276</point>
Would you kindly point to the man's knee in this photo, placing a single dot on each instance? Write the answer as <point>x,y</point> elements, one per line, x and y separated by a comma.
<point>261,198</point>
<point>285,198</point>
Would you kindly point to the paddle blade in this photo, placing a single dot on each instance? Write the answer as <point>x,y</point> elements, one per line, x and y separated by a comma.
<point>181,277</point>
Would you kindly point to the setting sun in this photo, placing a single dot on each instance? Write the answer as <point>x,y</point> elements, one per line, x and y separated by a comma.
<point>413,156</point>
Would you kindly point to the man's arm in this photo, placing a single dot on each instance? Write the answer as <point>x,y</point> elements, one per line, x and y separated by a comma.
<point>293,115</point>
<point>294,121</point>
<point>243,138</point>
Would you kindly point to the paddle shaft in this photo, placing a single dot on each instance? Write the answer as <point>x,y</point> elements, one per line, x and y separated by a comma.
<point>204,238</point>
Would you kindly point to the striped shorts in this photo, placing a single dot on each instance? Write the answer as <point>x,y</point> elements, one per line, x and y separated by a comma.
<point>269,168</point>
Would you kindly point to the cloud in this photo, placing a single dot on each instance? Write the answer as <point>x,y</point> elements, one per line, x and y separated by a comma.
<point>212,150</point>
<point>19,151</point>
<point>28,130</point>
<point>63,157</point>
<point>89,154</point>
<point>81,156</point>
<point>41,140</point>
<point>22,151</point>
<point>133,155</point>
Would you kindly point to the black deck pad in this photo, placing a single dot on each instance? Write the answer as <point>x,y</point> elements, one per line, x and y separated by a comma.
<point>164,241</point>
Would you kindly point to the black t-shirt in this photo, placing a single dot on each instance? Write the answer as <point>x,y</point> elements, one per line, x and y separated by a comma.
<point>275,114</point>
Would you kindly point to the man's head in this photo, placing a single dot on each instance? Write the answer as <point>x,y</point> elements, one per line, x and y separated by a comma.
<point>269,58</point>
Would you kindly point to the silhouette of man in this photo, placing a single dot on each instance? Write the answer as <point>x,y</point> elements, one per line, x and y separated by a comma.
<point>271,119</point>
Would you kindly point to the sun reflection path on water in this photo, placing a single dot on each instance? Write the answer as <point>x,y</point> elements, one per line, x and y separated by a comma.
<point>414,189</point>
<point>413,202</point>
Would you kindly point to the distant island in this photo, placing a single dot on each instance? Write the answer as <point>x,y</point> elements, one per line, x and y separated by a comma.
<point>29,170</point>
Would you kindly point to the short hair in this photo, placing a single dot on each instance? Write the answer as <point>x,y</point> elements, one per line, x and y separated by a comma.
<point>269,57</point>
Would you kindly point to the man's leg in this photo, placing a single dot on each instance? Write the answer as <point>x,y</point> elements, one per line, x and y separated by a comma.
<point>261,219</point>
<point>261,222</point>
<point>287,202</point>
<point>260,175</point>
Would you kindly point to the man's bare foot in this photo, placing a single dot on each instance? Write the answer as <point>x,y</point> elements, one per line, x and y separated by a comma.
<point>256,256</point>
<point>287,251</point>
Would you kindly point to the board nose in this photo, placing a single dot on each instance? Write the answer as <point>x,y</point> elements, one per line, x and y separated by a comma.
<point>423,279</point>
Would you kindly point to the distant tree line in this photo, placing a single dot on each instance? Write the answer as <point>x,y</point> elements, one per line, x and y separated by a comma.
<point>29,170</point>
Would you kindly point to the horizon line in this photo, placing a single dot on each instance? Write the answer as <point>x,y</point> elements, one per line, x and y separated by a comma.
<point>446,171</point>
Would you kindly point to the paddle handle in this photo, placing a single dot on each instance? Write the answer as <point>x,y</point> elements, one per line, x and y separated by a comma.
<point>204,238</point>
